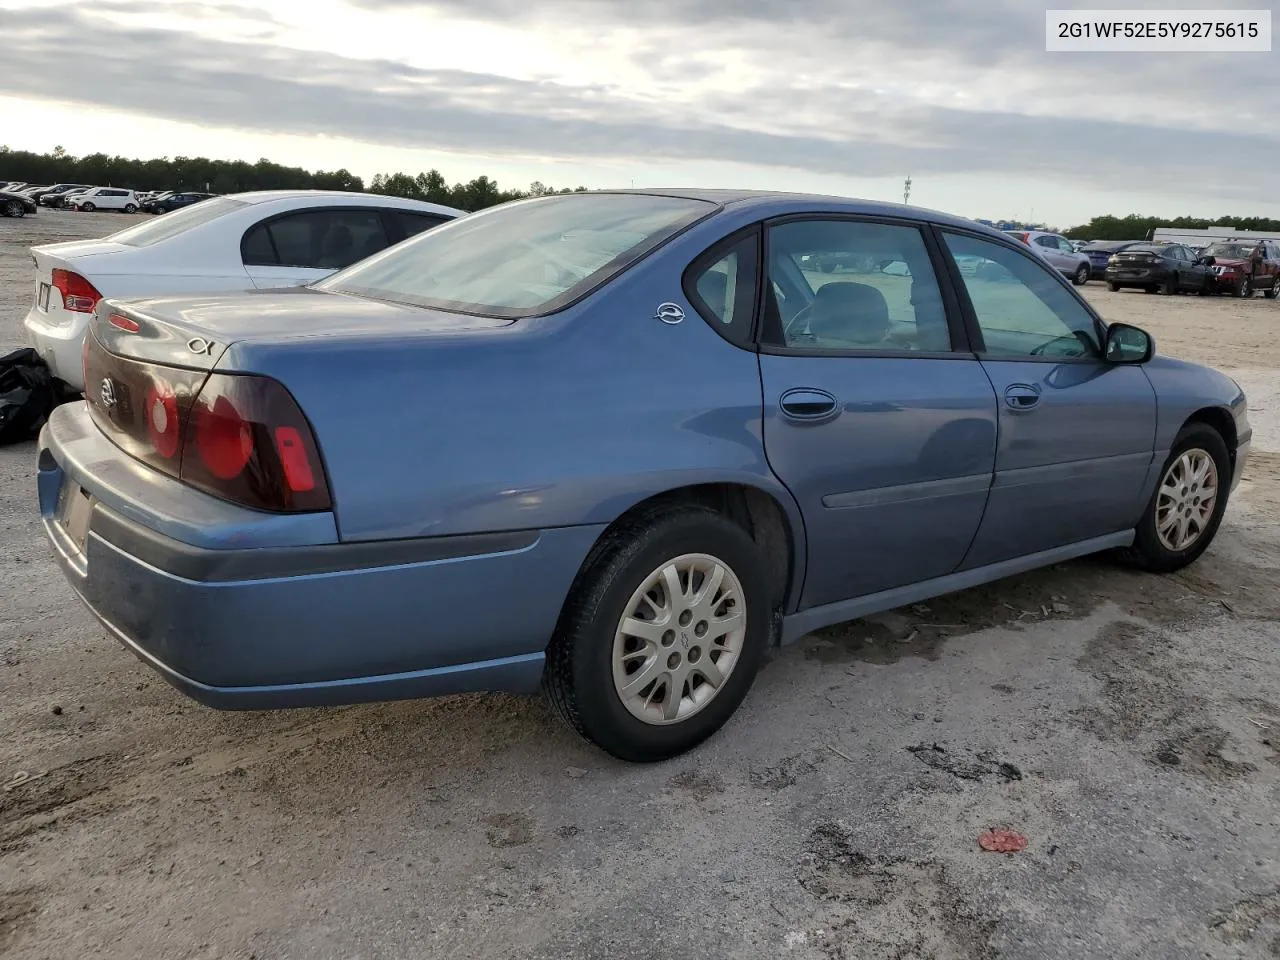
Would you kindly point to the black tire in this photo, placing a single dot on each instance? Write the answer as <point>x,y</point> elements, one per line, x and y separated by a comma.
<point>578,677</point>
<point>1245,290</point>
<point>130,208</point>
<point>1205,287</point>
<point>1147,551</point>
<point>1170,284</point>
<point>1275,289</point>
<point>1113,287</point>
<point>1081,275</point>
<point>826,267</point>
<point>14,208</point>
<point>87,207</point>
<point>1151,288</point>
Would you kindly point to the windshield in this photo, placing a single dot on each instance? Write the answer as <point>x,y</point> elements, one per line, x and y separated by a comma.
<point>1238,251</point>
<point>180,221</point>
<point>521,259</point>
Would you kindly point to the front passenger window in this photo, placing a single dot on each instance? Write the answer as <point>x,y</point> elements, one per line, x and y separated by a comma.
<point>1022,307</point>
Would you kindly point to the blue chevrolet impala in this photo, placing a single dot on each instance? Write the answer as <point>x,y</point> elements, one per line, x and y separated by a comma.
<point>614,445</point>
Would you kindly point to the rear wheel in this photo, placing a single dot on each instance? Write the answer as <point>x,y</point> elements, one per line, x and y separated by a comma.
<point>1186,508</point>
<point>1151,288</point>
<point>87,207</point>
<point>662,634</point>
<point>1205,286</point>
<point>1113,287</point>
<point>14,208</point>
<point>130,208</point>
<point>1171,284</point>
<point>1081,276</point>
<point>1275,288</point>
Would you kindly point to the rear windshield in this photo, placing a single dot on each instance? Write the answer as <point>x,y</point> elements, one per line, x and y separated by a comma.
<point>179,221</point>
<point>521,259</point>
<point>1146,248</point>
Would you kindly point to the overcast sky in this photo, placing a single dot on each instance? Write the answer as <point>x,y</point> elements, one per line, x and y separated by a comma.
<point>840,96</point>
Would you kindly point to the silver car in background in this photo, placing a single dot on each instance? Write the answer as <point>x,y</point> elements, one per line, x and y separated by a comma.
<point>1058,251</point>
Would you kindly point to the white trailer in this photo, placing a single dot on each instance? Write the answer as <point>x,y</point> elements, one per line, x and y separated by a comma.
<point>1200,238</point>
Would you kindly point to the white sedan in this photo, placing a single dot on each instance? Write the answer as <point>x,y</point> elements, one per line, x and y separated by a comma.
<point>243,241</point>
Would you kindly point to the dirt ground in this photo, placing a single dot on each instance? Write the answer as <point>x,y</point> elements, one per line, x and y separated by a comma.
<point>1129,725</point>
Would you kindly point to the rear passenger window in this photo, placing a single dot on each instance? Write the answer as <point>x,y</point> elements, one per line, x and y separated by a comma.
<point>721,284</point>
<point>411,224</point>
<point>315,239</point>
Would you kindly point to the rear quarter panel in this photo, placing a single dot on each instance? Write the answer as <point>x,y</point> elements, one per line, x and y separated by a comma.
<point>548,422</point>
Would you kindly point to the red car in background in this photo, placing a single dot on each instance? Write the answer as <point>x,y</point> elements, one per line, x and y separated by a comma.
<point>1242,267</point>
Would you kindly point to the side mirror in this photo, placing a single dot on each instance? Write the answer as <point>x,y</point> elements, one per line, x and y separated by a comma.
<point>1128,344</point>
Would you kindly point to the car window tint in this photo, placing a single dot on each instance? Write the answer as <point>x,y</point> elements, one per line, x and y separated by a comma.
<point>411,224</point>
<point>1021,306</point>
<point>856,286</point>
<point>256,248</point>
<point>722,285</point>
<point>1046,241</point>
<point>327,239</point>
<point>172,224</point>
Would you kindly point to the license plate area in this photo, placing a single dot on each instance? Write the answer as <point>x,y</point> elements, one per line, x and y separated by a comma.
<point>75,508</point>
<point>42,297</point>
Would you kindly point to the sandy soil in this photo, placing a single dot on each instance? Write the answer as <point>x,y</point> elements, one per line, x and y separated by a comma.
<point>1129,725</point>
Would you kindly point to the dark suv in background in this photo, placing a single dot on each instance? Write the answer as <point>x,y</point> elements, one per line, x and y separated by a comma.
<point>175,201</point>
<point>1166,267</point>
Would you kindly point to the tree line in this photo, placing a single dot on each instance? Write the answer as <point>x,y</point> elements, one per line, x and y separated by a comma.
<point>1135,227</point>
<point>237,176</point>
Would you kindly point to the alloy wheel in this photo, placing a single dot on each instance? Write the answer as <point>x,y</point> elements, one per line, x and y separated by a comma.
<point>680,637</point>
<point>1184,505</point>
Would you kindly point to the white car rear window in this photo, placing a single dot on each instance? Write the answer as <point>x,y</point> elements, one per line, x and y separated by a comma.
<point>179,221</point>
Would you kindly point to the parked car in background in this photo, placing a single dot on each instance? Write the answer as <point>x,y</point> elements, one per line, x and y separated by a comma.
<point>176,201</point>
<point>616,444</point>
<point>1241,268</point>
<point>12,186</point>
<point>243,241</point>
<point>15,204</point>
<point>1099,253</point>
<point>1166,267</point>
<point>1058,252</point>
<point>147,199</point>
<point>52,196</point>
<point>104,198</point>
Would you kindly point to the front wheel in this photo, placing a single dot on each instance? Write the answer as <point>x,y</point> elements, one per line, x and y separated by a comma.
<point>1186,508</point>
<point>86,207</point>
<point>1113,287</point>
<point>1275,288</point>
<point>1245,289</point>
<point>662,634</point>
<point>1082,275</point>
<point>14,208</point>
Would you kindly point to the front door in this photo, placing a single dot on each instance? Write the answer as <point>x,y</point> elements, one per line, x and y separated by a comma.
<point>1077,435</point>
<point>885,437</point>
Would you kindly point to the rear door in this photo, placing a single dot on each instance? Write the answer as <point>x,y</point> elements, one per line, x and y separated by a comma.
<point>301,247</point>
<point>1077,434</point>
<point>1047,246</point>
<point>875,417</point>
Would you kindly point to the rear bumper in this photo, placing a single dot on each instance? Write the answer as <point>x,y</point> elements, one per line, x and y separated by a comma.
<point>59,344</point>
<point>279,624</point>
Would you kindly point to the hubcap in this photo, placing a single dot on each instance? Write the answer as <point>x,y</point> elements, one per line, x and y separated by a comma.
<point>680,637</point>
<point>1186,500</point>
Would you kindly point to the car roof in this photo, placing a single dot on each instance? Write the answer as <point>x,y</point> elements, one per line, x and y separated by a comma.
<point>268,196</point>
<point>851,205</point>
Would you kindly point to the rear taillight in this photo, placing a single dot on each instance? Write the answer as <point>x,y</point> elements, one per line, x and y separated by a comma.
<point>247,441</point>
<point>78,294</point>
<point>236,436</point>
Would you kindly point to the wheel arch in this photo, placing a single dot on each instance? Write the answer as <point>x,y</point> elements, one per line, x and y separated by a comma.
<point>775,526</point>
<point>1221,420</point>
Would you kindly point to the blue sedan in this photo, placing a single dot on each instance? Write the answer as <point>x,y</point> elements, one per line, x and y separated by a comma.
<point>613,445</point>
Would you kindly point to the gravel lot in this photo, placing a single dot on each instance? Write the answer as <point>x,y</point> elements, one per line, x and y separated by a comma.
<point>1129,725</point>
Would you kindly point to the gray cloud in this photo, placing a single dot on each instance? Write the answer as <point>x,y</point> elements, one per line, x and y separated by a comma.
<point>843,130</point>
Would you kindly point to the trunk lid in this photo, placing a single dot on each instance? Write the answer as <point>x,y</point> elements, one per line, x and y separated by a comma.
<point>194,331</point>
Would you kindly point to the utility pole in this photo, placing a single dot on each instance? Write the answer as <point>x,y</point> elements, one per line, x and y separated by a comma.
<point>906,190</point>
